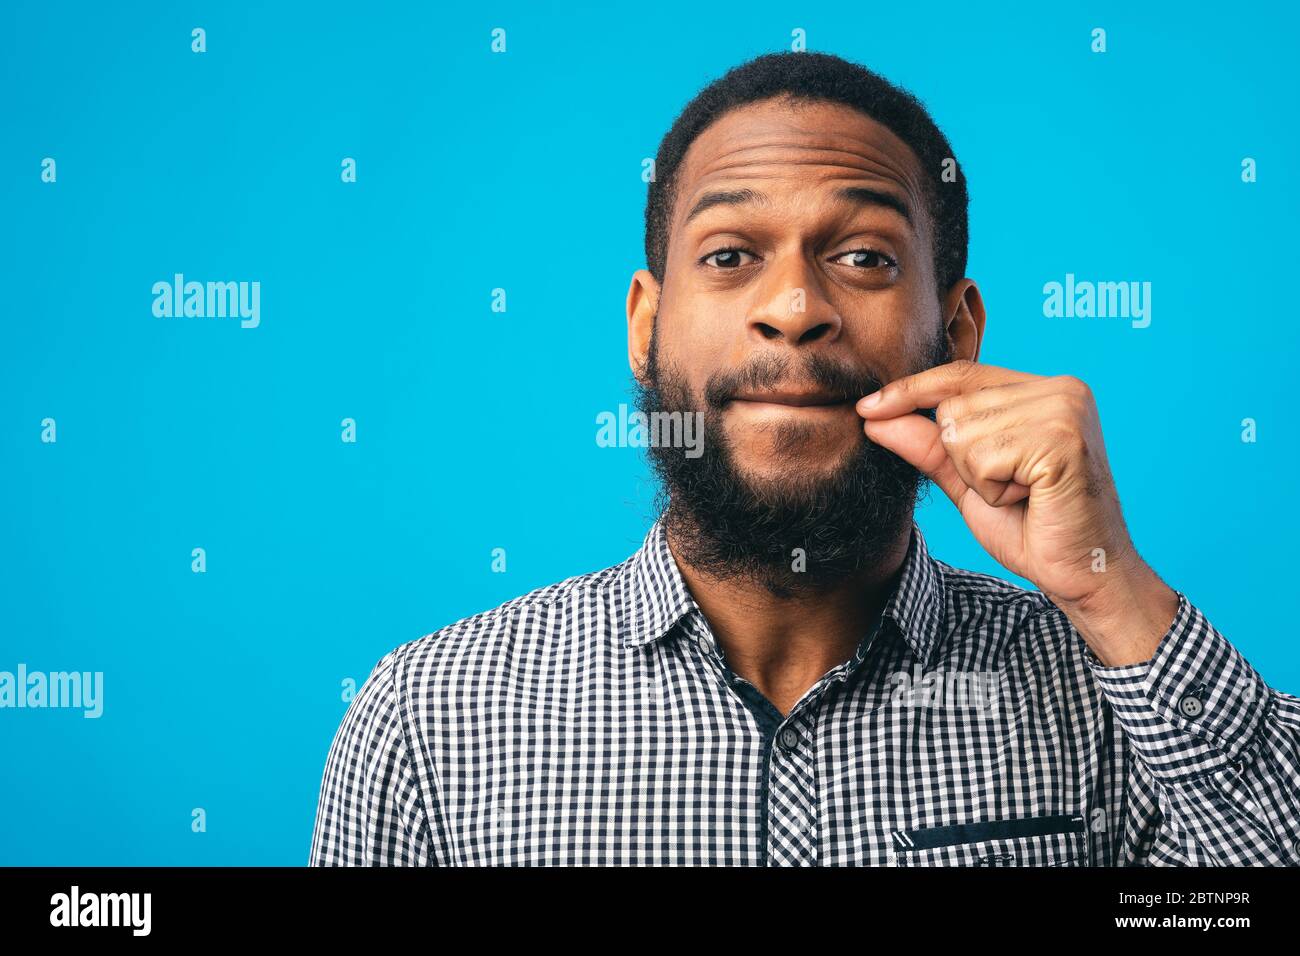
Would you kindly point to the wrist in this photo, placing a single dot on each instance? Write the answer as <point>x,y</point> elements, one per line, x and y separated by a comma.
<point>1123,621</point>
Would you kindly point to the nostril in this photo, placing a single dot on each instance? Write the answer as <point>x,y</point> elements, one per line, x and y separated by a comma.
<point>816,332</point>
<point>768,331</point>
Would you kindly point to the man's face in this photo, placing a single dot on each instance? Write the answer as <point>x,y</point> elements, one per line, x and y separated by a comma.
<point>787,247</point>
<point>799,277</point>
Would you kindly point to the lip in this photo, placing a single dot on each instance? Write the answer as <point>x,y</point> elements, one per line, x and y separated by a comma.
<point>792,399</point>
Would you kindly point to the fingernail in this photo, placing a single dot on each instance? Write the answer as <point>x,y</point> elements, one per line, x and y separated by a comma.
<point>871,401</point>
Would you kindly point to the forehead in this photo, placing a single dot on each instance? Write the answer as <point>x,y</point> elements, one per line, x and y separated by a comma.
<point>789,145</point>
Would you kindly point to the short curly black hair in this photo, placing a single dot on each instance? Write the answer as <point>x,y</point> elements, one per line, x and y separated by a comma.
<point>810,77</point>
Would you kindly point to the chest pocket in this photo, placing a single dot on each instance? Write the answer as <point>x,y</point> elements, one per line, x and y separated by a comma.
<point>1060,840</point>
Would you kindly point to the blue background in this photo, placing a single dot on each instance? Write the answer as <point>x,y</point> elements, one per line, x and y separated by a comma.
<point>476,429</point>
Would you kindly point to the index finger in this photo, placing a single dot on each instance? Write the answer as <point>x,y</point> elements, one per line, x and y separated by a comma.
<point>927,389</point>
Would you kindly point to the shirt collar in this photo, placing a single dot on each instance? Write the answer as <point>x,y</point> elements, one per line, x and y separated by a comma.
<point>656,591</point>
<point>658,596</point>
<point>917,605</point>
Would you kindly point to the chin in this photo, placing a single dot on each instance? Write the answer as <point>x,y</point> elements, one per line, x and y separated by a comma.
<point>769,470</point>
<point>783,452</point>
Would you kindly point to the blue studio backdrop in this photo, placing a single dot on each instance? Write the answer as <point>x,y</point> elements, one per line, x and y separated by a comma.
<point>182,509</point>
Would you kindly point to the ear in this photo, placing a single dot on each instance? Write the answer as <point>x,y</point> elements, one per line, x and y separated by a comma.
<point>963,308</point>
<point>642,304</point>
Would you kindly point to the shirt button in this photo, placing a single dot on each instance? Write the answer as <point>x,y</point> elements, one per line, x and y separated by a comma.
<point>1190,705</point>
<point>705,647</point>
<point>789,738</point>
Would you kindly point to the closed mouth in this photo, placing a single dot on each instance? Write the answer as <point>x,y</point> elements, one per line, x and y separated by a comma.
<point>794,399</point>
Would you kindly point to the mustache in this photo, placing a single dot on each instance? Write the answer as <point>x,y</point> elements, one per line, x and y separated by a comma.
<point>843,381</point>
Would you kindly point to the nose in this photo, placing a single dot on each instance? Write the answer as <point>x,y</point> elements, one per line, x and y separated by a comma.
<point>790,304</point>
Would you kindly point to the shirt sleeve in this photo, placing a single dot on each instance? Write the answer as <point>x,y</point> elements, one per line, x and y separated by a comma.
<point>1216,775</point>
<point>370,812</point>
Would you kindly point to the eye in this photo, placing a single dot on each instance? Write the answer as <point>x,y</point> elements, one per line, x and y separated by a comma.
<point>866,259</point>
<point>728,258</point>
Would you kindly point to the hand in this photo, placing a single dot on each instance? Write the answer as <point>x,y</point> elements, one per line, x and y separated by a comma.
<point>1022,458</point>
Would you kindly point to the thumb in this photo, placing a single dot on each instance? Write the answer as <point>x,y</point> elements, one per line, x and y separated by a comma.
<point>916,440</point>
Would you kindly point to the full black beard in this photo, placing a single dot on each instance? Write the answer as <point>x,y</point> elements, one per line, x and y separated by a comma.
<point>728,528</point>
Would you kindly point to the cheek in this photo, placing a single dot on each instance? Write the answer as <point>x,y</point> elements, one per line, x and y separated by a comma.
<point>681,363</point>
<point>926,326</point>
<point>895,331</point>
<point>918,342</point>
<point>700,318</point>
<point>693,340</point>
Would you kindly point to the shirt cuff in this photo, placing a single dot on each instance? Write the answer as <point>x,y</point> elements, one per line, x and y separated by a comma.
<point>1196,707</point>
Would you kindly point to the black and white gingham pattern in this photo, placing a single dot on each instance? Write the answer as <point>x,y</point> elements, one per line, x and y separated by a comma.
<point>595,721</point>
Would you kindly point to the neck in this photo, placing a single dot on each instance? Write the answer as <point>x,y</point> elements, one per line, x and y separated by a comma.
<point>783,643</point>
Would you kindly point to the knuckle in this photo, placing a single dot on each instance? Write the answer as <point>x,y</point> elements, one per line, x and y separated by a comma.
<point>1069,439</point>
<point>989,449</point>
<point>984,414</point>
<point>1072,404</point>
<point>1075,386</point>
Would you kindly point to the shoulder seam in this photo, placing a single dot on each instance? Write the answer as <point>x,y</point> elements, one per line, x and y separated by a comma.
<point>399,655</point>
<point>547,596</point>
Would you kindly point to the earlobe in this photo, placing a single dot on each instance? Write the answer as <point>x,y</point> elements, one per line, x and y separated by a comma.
<point>964,307</point>
<point>642,304</point>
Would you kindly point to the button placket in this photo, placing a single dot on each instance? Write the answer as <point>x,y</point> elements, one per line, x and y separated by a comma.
<point>792,840</point>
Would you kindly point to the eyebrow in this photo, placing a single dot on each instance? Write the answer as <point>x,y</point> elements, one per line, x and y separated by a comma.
<point>860,195</point>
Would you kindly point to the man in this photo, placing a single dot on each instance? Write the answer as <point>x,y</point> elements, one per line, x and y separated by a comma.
<point>782,674</point>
